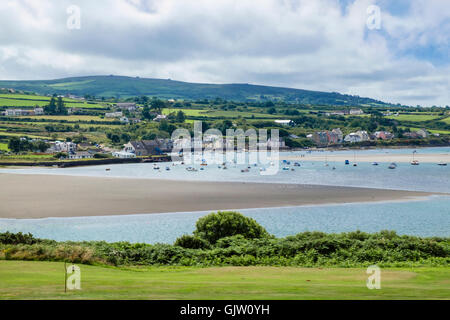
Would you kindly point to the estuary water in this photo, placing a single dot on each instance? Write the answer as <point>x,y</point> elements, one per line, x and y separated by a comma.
<point>426,217</point>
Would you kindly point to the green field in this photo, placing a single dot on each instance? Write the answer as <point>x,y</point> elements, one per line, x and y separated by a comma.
<point>45,280</point>
<point>414,117</point>
<point>30,101</point>
<point>4,147</point>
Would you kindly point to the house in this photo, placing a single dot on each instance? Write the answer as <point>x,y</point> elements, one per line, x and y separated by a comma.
<point>18,112</point>
<point>423,133</point>
<point>123,155</point>
<point>285,122</point>
<point>38,111</point>
<point>325,138</point>
<point>117,114</point>
<point>160,117</point>
<point>80,155</point>
<point>383,135</point>
<point>358,136</point>
<point>58,146</point>
<point>124,120</point>
<point>356,112</point>
<point>126,106</point>
<point>149,147</point>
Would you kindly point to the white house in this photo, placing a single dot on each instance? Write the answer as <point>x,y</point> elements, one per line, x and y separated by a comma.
<point>38,111</point>
<point>356,112</point>
<point>160,117</point>
<point>80,155</point>
<point>124,120</point>
<point>123,155</point>
<point>285,122</point>
<point>117,114</point>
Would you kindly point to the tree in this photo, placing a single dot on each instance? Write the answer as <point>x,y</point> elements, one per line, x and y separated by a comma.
<point>51,107</point>
<point>181,117</point>
<point>60,107</point>
<point>272,111</point>
<point>14,144</point>
<point>157,105</point>
<point>228,223</point>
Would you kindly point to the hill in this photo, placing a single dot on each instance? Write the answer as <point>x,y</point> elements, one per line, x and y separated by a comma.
<point>122,87</point>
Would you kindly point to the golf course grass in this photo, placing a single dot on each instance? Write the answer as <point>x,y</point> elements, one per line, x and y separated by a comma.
<point>45,280</point>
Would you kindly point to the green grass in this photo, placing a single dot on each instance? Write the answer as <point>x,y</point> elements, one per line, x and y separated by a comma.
<point>29,101</point>
<point>4,147</point>
<point>44,280</point>
<point>414,117</point>
<point>72,118</point>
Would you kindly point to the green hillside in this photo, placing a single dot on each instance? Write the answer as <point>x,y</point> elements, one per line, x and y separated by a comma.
<point>118,86</point>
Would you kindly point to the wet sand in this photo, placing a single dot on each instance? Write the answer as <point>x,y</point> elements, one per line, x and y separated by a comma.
<point>41,196</point>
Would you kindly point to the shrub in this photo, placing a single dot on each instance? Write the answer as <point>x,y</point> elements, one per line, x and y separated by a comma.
<point>228,223</point>
<point>191,242</point>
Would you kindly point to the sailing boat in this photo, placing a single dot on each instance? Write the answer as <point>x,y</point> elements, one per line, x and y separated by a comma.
<point>354,160</point>
<point>414,162</point>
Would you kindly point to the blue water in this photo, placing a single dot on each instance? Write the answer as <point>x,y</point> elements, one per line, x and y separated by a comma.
<point>421,218</point>
<point>426,177</point>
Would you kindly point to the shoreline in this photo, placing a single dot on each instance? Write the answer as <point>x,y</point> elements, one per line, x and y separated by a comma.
<point>376,157</point>
<point>45,196</point>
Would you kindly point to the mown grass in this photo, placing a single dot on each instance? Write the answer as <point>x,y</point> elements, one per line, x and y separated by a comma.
<point>23,100</point>
<point>45,280</point>
<point>4,147</point>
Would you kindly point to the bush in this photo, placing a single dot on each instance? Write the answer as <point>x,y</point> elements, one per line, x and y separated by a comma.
<point>228,223</point>
<point>191,242</point>
<point>17,238</point>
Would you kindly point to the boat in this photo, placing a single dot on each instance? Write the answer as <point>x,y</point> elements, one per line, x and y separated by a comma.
<point>355,164</point>
<point>442,164</point>
<point>201,169</point>
<point>192,169</point>
<point>347,162</point>
<point>225,167</point>
<point>414,162</point>
<point>245,170</point>
<point>167,168</point>
<point>374,163</point>
<point>108,169</point>
<point>286,168</point>
<point>292,169</point>
<point>393,165</point>
<point>155,167</point>
<point>296,164</point>
<point>262,169</point>
<point>334,168</point>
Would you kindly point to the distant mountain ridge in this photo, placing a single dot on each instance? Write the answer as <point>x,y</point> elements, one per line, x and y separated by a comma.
<point>122,87</point>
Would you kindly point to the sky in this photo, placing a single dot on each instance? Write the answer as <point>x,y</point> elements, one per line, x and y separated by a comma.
<point>400,55</point>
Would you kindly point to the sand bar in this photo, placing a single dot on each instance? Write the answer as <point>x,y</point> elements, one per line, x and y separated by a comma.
<point>41,196</point>
<point>376,157</point>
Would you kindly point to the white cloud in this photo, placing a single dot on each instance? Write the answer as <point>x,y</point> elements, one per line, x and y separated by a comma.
<point>297,43</point>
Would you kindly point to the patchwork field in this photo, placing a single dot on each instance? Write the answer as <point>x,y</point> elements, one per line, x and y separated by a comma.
<point>45,280</point>
<point>414,117</point>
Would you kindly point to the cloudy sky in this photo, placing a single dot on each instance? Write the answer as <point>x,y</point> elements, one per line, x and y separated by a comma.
<point>326,45</point>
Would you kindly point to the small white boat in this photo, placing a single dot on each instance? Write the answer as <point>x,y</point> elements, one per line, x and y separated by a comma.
<point>262,169</point>
<point>245,170</point>
<point>415,162</point>
<point>167,168</point>
<point>374,163</point>
<point>393,165</point>
<point>296,164</point>
<point>192,169</point>
<point>442,164</point>
<point>155,167</point>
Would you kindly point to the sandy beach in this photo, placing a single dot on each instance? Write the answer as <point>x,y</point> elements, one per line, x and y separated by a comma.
<point>376,157</point>
<point>41,196</point>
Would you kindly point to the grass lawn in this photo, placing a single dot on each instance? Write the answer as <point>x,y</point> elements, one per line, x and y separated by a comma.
<point>44,280</point>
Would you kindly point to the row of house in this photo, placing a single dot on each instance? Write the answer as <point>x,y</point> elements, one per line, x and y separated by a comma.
<point>325,138</point>
<point>335,136</point>
<point>352,112</point>
<point>23,112</point>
